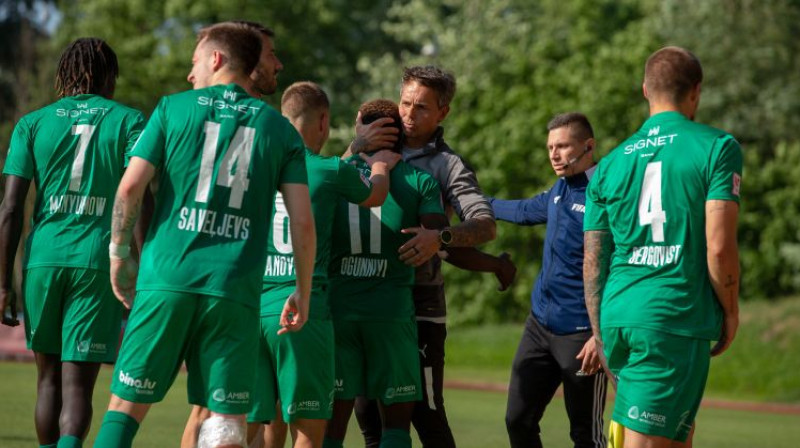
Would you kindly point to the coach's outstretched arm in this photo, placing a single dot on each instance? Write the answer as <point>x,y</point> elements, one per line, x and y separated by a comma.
<point>12,212</point>
<point>127,206</point>
<point>304,243</point>
<point>597,248</point>
<point>723,266</point>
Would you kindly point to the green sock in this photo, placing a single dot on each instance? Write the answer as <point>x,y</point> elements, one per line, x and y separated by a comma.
<point>332,443</point>
<point>52,445</point>
<point>69,442</point>
<point>395,438</point>
<point>117,431</point>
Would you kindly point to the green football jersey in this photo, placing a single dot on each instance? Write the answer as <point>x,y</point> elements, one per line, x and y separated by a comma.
<point>220,155</point>
<point>650,193</point>
<point>74,150</point>
<point>367,279</point>
<point>330,180</point>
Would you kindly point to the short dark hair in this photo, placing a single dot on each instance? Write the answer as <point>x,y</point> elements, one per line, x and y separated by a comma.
<point>579,125</point>
<point>382,108</point>
<point>87,65</point>
<point>671,72</point>
<point>255,26</point>
<point>442,82</point>
<point>302,98</point>
<point>240,44</point>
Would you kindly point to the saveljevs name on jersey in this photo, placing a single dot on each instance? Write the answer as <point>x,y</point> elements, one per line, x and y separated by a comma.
<point>221,182</point>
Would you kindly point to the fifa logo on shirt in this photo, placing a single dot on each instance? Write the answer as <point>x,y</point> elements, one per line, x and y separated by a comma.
<point>654,131</point>
<point>229,95</point>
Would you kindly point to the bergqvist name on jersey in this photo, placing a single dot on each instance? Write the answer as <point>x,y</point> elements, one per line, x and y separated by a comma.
<point>655,256</point>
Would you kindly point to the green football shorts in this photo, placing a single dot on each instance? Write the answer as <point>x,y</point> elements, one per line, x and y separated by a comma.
<point>217,338</point>
<point>295,367</point>
<point>71,312</point>
<point>661,378</point>
<point>379,360</point>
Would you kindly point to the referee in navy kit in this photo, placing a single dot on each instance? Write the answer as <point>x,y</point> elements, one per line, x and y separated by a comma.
<point>557,345</point>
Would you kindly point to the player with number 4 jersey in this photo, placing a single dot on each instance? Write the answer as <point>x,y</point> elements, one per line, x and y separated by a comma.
<point>661,262</point>
<point>220,156</point>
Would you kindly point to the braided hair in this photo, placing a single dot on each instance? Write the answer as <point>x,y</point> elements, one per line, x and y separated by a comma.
<point>87,66</point>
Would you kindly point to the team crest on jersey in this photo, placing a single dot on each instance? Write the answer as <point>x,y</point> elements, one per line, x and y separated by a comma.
<point>737,182</point>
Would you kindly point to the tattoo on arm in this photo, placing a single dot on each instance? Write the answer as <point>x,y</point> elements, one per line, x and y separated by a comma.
<point>473,232</point>
<point>598,246</point>
<point>124,219</point>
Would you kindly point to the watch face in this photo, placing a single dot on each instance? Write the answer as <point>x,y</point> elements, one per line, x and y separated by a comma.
<point>446,236</point>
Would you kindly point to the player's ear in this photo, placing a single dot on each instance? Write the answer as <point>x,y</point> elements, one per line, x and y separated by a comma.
<point>644,91</point>
<point>588,146</point>
<point>218,60</point>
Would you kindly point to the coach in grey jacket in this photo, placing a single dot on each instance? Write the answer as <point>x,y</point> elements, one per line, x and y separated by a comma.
<point>424,102</point>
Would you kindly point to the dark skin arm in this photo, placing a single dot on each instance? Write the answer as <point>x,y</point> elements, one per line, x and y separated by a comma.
<point>472,259</point>
<point>12,212</point>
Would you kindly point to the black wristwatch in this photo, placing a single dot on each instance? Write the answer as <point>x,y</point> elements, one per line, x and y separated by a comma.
<point>445,237</point>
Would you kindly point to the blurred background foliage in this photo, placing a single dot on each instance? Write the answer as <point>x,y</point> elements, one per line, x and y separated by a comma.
<point>517,62</point>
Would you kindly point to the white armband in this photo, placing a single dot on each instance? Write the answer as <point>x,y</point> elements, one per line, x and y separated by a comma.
<point>119,251</point>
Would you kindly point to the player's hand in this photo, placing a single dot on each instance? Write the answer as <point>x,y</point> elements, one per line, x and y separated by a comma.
<point>8,301</point>
<point>729,326</point>
<point>588,354</point>
<point>507,272</point>
<point>419,249</point>
<point>123,280</point>
<point>294,314</point>
<point>390,158</point>
<point>375,135</point>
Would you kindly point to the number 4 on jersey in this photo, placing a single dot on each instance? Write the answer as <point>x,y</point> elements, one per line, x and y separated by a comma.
<point>651,213</point>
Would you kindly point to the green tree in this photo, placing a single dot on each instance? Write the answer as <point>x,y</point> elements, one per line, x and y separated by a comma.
<point>517,64</point>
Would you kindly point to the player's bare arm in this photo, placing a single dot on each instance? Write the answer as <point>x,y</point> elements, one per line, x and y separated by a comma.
<point>597,248</point>
<point>127,206</point>
<point>380,163</point>
<point>723,266</point>
<point>304,243</point>
<point>12,212</point>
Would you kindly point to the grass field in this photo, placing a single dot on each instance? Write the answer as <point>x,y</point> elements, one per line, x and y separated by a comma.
<point>761,365</point>
<point>476,417</point>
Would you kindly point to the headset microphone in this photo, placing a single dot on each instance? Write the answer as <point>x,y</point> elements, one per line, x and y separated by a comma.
<point>569,162</point>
